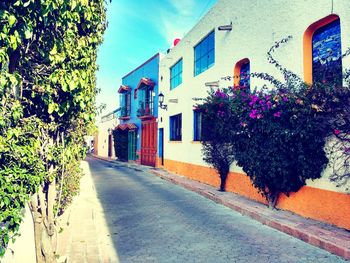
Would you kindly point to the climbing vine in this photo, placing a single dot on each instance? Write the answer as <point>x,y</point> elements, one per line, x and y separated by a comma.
<point>47,91</point>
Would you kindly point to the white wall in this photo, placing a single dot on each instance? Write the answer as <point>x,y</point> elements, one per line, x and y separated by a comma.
<point>23,249</point>
<point>257,24</point>
<point>103,137</point>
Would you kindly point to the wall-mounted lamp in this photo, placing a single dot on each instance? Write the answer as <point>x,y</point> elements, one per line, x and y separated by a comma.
<point>225,27</point>
<point>161,101</point>
<point>212,84</point>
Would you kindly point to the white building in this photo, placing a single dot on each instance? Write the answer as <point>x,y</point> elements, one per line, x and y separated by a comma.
<point>103,143</point>
<point>206,54</point>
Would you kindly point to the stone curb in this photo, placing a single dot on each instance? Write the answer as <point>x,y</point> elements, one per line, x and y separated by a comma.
<point>322,235</point>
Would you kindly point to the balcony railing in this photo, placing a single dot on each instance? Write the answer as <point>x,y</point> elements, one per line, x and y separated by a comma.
<point>125,112</point>
<point>145,109</point>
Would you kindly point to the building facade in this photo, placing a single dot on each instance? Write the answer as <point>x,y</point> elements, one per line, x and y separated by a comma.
<point>137,132</point>
<point>103,140</point>
<point>233,39</point>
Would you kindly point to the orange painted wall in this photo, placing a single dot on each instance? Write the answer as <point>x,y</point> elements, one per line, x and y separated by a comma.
<point>323,205</point>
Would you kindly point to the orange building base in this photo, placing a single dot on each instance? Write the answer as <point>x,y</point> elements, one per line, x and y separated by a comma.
<point>323,205</point>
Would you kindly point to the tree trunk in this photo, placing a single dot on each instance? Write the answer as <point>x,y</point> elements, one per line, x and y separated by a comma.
<point>223,182</point>
<point>272,200</point>
<point>41,206</point>
<point>37,220</point>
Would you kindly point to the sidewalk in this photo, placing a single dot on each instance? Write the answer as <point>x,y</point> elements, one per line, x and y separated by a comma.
<point>86,240</point>
<point>325,236</point>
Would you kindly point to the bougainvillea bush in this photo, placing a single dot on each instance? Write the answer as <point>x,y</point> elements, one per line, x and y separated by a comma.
<point>282,143</point>
<point>285,129</point>
<point>217,119</point>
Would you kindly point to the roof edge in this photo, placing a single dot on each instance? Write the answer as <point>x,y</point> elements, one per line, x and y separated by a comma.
<point>148,60</point>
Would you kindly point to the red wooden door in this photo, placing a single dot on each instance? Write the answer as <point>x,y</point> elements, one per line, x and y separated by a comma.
<point>149,142</point>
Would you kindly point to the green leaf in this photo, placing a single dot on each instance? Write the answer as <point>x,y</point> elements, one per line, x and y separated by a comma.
<point>27,3</point>
<point>51,108</point>
<point>73,4</point>
<point>12,20</point>
<point>13,42</point>
<point>28,34</point>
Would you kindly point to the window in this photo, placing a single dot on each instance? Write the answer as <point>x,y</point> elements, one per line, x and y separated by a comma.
<point>176,75</point>
<point>326,54</point>
<point>242,73</point>
<point>322,46</point>
<point>175,127</point>
<point>197,125</point>
<point>126,104</point>
<point>204,54</point>
<point>145,102</point>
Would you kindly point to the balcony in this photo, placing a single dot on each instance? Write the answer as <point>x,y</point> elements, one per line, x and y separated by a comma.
<point>124,113</point>
<point>145,110</point>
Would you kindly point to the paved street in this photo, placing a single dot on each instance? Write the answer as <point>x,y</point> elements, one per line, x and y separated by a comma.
<point>151,220</point>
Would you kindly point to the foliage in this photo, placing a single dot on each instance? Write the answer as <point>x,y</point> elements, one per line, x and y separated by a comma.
<point>21,171</point>
<point>287,131</point>
<point>48,63</point>
<point>282,143</point>
<point>120,138</point>
<point>217,119</point>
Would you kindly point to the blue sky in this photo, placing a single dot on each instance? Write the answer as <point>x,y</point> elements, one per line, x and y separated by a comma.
<point>137,30</point>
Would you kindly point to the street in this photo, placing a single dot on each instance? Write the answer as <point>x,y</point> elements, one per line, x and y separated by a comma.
<point>152,220</point>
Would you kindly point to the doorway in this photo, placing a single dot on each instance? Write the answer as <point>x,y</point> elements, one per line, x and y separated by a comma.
<point>149,142</point>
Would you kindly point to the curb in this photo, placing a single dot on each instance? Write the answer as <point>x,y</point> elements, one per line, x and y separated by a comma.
<point>330,238</point>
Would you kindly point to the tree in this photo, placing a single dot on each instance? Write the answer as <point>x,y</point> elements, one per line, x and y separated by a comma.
<point>48,65</point>
<point>217,121</point>
<point>285,129</point>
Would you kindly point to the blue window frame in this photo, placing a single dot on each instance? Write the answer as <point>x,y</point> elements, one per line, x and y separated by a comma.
<point>176,75</point>
<point>326,54</point>
<point>175,127</point>
<point>204,54</point>
<point>197,125</point>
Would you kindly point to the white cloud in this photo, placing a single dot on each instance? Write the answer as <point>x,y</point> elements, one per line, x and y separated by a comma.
<point>177,20</point>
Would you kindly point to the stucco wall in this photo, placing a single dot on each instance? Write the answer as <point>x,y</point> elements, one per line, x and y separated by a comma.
<point>102,137</point>
<point>148,69</point>
<point>256,25</point>
<point>23,249</point>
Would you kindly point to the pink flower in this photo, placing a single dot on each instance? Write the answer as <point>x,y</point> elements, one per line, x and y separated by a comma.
<point>253,114</point>
<point>336,132</point>
<point>277,114</point>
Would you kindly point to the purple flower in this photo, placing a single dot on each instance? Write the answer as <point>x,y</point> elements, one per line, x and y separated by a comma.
<point>219,94</point>
<point>253,114</point>
<point>253,99</point>
<point>277,114</point>
<point>259,116</point>
<point>221,113</point>
<point>269,104</point>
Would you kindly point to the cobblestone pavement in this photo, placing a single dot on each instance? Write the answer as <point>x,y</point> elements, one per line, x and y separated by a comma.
<point>85,237</point>
<point>152,220</point>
